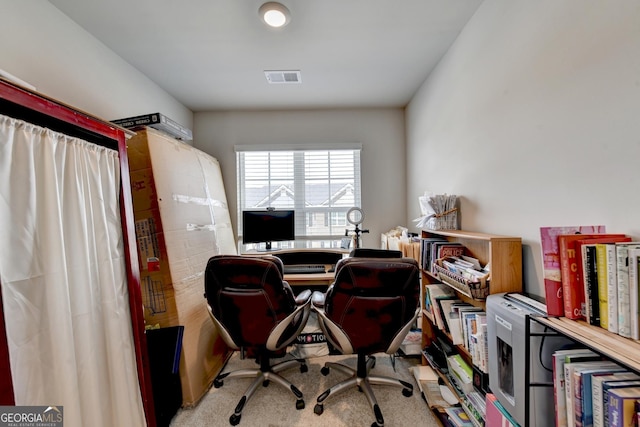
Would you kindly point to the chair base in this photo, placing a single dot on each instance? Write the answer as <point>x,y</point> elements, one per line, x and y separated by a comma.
<point>361,378</point>
<point>266,374</point>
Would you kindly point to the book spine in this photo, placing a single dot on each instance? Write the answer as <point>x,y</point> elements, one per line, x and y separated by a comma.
<point>622,279</point>
<point>612,288</point>
<point>603,288</point>
<point>572,295</point>
<point>591,285</point>
<point>633,293</point>
<point>558,390</point>
<point>615,411</point>
<point>568,389</point>
<point>143,120</point>
<point>577,399</point>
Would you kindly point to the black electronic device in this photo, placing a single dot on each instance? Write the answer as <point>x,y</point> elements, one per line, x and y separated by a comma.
<point>304,269</point>
<point>266,226</point>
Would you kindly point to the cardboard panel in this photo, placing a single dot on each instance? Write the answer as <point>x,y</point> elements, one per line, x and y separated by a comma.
<point>182,220</point>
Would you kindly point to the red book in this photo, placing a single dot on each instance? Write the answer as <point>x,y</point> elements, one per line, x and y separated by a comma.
<point>572,290</point>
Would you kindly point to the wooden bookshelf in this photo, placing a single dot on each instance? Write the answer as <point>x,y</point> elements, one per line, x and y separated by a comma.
<point>503,254</point>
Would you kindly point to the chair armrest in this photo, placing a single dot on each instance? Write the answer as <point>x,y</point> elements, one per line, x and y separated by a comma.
<point>303,297</point>
<point>317,299</point>
<point>300,316</point>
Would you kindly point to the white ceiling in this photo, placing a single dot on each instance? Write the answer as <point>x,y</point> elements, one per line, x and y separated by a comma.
<point>212,54</point>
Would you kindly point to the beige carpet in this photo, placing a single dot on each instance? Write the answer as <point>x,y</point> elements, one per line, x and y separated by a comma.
<point>275,407</point>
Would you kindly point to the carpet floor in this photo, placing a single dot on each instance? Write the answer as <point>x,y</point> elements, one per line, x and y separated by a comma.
<point>274,406</point>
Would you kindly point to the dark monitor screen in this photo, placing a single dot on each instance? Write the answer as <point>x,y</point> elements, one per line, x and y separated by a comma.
<point>268,226</point>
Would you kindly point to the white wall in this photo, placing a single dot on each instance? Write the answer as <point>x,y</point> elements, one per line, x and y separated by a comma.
<point>380,131</point>
<point>532,118</point>
<point>45,48</point>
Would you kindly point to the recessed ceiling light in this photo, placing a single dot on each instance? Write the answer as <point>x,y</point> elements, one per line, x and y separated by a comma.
<point>274,14</point>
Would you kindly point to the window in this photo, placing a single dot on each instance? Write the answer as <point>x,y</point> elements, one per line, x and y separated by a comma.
<point>321,185</point>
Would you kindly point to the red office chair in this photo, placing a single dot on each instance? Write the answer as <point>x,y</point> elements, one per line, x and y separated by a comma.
<point>256,311</point>
<point>369,308</point>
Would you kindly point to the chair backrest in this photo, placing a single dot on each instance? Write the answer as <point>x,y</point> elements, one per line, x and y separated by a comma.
<point>373,300</point>
<point>375,253</point>
<point>247,296</point>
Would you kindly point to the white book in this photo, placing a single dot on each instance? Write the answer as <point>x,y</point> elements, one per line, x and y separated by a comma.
<point>622,279</point>
<point>634,254</point>
<point>612,287</point>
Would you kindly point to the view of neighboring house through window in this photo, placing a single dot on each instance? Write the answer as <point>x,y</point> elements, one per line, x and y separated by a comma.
<point>321,184</point>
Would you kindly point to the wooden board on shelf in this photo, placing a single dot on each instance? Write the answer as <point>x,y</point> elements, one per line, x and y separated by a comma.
<point>615,347</point>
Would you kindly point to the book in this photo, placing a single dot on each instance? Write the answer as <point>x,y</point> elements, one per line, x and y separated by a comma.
<point>607,285</point>
<point>445,310</point>
<point>590,279</point>
<point>621,407</point>
<point>603,285</point>
<point>455,322</point>
<point>425,250</point>
<point>572,290</point>
<point>606,395</point>
<point>559,394</point>
<point>464,313</point>
<point>569,369</point>
<point>634,277</point>
<point>551,263</point>
<point>432,293</point>
<point>582,381</point>
<point>496,415</point>
<point>612,287</point>
<point>458,417</point>
<point>597,383</point>
<point>622,279</point>
<point>157,121</point>
<point>572,273</point>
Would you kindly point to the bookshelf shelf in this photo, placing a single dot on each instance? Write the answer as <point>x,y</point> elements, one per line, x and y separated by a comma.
<point>503,254</point>
<point>624,351</point>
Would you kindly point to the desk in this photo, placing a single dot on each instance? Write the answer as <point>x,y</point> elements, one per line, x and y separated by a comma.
<point>329,257</point>
<point>311,279</point>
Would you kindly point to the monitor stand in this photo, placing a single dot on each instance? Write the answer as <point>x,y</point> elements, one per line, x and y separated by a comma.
<point>268,248</point>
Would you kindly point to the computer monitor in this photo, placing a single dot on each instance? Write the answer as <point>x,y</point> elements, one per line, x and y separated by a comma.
<point>266,226</point>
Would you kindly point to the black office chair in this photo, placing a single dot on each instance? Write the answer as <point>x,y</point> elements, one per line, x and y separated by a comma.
<point>256,311</point>
<point>368,309</point>
<point>375,253</point>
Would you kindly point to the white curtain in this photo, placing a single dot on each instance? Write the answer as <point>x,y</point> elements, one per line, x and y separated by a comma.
<point>63,276</point>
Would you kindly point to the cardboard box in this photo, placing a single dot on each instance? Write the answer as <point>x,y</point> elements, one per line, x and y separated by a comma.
<point>181,219</point>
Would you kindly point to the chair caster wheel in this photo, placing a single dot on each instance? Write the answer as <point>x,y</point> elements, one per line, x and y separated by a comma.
<point>407,392</point>
<point>234,419</point>
<point>217,383</point>
<point>304,368</point>
<point>299,404</point>
<point>324,371</point>
<point>265,383</point>
<point>318,409</point>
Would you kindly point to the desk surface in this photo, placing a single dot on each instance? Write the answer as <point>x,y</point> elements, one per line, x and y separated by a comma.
<point>306,279</point>
<point>307,256</point>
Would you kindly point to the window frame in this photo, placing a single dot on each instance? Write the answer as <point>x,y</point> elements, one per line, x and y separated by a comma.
<point>300,180</point>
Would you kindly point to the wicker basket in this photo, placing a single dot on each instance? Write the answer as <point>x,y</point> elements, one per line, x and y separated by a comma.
<point>478,290</point>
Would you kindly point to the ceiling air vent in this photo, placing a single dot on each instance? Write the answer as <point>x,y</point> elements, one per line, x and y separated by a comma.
<point>283,77</point>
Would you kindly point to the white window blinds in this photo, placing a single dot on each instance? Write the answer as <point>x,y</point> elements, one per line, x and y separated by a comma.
<point>319,184</point>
